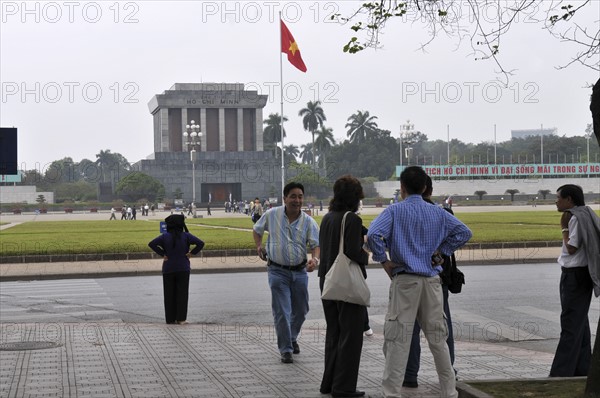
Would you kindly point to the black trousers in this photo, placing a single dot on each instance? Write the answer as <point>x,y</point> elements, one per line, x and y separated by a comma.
<point>343,345</point>
<point>176,290</point>
<point>574,351</point>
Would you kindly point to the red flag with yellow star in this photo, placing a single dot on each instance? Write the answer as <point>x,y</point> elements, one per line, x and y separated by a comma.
<point>290,47</point>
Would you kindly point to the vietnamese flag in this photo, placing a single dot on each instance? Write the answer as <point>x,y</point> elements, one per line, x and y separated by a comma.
<point>290,47</point>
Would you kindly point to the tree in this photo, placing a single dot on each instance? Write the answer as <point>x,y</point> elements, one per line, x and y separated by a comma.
<point>75,191</point>
<point>113,162</point>
<point>592,386</point>
<point>376,157</point>
<point>62,170</point>
<point>291,153</point>
<point>361,126</point>
<point>544,192</point>
<point>512,193</point>
<point>313,117</point>
<point>272,131</point>
<point>138,185</point>
<point>178,193</point>
<point>324,142</point>
<point>307,153</point>
<point>595,109</point>
<point>480,194</point>
<point>40,199</point>
<point>482,23</point>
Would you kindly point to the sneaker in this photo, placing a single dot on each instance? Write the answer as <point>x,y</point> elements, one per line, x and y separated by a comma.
<point>286,357</point>
<point>296,347</point>
<point>369,332</point>
<point>183,322</point>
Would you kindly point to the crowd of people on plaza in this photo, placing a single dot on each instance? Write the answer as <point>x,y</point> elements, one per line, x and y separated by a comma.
<point>414,240</point>
<point>129,212</point>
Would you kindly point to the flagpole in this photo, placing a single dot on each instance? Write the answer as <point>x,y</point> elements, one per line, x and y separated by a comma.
<point>281,96</point>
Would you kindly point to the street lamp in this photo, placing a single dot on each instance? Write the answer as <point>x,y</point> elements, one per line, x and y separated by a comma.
<point>191,139</point>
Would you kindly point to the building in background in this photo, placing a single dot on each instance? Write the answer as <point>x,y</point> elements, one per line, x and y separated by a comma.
<point>225,158</point>
<point>533,132</point>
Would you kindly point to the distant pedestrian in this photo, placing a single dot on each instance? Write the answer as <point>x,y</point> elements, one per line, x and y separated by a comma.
<point>580,266</point>
<point>257,210</point>
<point>208,213</point>
<point>124,212</point>
<point>174,247</point>
<point>133,212</point>
<point>112,214</point>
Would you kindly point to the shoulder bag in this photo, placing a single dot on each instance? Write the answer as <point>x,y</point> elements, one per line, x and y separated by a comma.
<point>344,281</point>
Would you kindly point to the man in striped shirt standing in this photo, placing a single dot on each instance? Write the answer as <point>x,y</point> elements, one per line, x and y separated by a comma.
<point>291,231</point>
<point>413,231</point>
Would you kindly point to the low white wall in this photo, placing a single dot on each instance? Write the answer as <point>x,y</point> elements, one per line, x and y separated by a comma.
<point>23,193</point>
<point>386,189</point>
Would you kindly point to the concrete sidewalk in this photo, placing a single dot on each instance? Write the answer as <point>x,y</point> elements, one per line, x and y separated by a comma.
<point>211,360</point>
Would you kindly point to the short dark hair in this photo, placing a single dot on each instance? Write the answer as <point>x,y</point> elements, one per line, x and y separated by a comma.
<point>428,187</point>
<point>347,193</point>
<point>292,185</point>
<point>574,191</point>
<point>414,179</point>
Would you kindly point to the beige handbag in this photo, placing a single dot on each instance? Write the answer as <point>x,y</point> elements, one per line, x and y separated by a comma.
<point>345,281</point>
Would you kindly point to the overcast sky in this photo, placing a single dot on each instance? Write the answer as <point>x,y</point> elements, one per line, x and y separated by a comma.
<point>77,76</point>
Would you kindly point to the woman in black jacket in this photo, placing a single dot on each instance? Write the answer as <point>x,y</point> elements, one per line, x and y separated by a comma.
<point>345,321</point>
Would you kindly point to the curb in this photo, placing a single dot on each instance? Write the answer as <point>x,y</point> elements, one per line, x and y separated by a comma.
<point>63,258</point>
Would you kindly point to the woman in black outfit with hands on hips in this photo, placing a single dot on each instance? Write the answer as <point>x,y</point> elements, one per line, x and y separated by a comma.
<point>345,321</point>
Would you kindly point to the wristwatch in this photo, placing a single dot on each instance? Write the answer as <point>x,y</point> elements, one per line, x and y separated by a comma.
<point>565,230</point>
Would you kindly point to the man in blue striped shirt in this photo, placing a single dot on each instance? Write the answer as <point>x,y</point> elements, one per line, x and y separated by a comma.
<point>291,231</point>
<point>413,231</point>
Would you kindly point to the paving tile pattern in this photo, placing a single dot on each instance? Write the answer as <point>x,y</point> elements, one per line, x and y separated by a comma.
<point>153,360</point>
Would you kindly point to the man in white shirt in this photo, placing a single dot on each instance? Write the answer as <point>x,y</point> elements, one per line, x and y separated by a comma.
<point>578,223</point>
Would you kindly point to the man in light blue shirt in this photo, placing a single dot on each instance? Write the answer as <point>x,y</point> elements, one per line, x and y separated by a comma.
<point>291,231</point>
<point>413,231</point>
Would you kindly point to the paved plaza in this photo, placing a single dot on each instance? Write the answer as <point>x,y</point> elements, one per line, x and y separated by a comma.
<point>117,359</point>
<point>208,360</point>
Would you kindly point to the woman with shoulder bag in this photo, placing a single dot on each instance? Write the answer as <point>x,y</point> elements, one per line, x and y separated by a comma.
<point>345,321</point>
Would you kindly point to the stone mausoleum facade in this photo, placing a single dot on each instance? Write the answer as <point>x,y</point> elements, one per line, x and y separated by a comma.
<point>229,157</point>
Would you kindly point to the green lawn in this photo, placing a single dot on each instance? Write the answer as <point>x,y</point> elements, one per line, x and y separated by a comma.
<point>74,237</point>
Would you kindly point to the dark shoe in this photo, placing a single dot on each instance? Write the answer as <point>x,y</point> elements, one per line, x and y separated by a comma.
<point>296,347</point>
<point>410,384</point>
<point>348,394</point>
<point>286,357</point>
<point>324,390</point>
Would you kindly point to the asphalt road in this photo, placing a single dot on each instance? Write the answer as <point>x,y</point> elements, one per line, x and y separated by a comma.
<point>508,304</point>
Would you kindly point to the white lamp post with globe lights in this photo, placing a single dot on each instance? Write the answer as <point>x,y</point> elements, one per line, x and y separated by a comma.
<point>191,139</point>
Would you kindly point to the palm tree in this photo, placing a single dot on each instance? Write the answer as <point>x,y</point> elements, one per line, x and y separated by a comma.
<point>291,151</point>
<point>312,118</point>
<point>361,126</point>
<point>323,143</point>
<point>307,153</point>
<point>103,159</point>
<point>272,131</point>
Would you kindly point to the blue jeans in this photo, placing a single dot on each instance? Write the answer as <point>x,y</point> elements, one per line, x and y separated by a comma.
<point>414,356</point>
<point>289,302</point>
